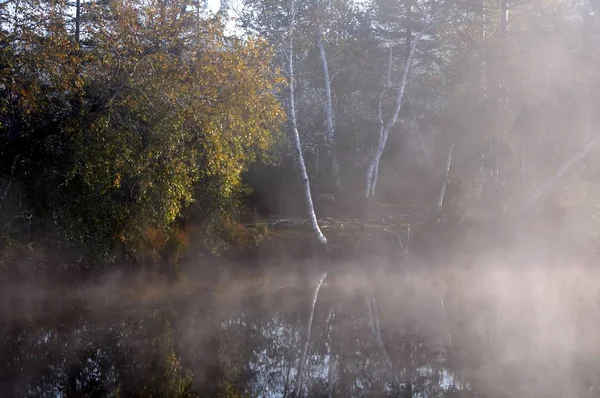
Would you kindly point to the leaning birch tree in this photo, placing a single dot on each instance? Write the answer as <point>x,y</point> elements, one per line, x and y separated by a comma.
<point>291,108</point>
<point>327,103</point>
<point>386,124</point>
<point>276,21</point>
<point>335,168</point>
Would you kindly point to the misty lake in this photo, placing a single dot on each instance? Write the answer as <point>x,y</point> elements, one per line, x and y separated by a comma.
<point>470,333</point>
<point>263,198</point>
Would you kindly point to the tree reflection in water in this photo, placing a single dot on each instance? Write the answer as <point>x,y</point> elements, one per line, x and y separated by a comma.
<point>428,335</point>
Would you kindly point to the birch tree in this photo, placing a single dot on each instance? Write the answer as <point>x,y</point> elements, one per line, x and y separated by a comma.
<point>277,22</point>
<point>323,14</point>
<point>386,124</point>
<point>294,132</point>
<point>446,180</point>
<point>335,168</point>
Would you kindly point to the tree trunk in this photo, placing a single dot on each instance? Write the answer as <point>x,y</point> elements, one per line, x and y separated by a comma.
<point>504,18</point>
<point>298,386</point>
<point>290,363</point>
<point>376,330</point>
<point>385,127</point>
<point>446,180</point>
<point>484,51</point>
<point>296,137</point>
<point>335,168</point>
<point>409,32</point>
<point>330,372</point>
<point>331,355</point>
<point>372,168</point>
<point>77,20</point>
<point>446,325</point>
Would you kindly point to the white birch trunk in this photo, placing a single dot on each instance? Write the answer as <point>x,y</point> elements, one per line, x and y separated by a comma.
<point>385,128</point>
<point>484,38</point>
<point>373,167</point>
<point>335,168</point>
<point>481,177</point>
<point>504,18</point>
<point>446,180</point>
<point>298,386</point>
<point>541,191</point>
<point>296,137</point>
<point>375,178</point>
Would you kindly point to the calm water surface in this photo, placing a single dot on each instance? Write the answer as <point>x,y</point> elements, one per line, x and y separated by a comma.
<point>431,333</point>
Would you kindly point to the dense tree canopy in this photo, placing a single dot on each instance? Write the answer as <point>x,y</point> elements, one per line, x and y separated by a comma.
<point>116,135</point>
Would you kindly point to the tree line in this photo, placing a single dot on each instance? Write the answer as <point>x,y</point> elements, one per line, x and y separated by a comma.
<point>479,110</point>
<point>121,121</point>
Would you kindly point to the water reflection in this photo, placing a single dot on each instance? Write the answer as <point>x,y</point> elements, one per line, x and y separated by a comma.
<point>418,335</point>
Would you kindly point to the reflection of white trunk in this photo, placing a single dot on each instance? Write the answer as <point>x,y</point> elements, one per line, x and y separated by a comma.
<point>292,348</point>
<point>335,168</point>
<point>523,166</point>
<point>541,191</point>
<point>445,316</point>
<point>305,347</point>
<point>481,177</point>
<point>330,370</point>
<point>374,323</point>
<point>296,137</point>
<point>331,355</point>
<point>446,180</point>
<point>385,127</point>
<point>408,235</point>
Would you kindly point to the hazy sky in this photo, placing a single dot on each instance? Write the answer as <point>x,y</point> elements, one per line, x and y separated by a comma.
<point>214,5</point>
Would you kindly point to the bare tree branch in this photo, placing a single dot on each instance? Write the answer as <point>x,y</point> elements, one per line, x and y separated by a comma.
<point>541,191</point>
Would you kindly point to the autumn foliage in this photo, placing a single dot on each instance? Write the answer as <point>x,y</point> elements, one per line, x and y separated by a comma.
<point>111,137</point>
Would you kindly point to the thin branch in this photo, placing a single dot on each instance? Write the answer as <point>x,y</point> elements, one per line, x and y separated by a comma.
<point>559,174</point>
<point>446,180</point>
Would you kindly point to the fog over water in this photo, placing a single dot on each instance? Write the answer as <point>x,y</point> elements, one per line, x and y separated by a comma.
<point>496,332</point>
